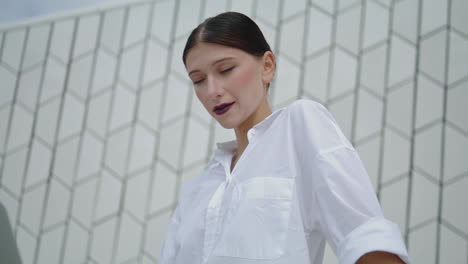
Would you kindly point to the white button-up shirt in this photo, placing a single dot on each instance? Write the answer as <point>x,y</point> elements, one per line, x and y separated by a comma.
<point>298,184</point>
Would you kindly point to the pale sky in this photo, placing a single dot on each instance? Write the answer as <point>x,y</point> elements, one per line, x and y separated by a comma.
<point>12,11</point>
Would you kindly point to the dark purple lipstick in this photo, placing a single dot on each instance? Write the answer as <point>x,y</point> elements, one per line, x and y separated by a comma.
<point>222,108</point>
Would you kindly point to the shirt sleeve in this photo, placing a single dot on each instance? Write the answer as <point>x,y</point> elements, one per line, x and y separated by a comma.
<point>336,194</point>
<point>349,213</point>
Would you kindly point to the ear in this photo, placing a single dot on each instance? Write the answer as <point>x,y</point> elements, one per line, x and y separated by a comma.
<point>269,67</point>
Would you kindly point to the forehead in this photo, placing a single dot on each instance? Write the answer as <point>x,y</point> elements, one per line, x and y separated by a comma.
<point>205,54</point>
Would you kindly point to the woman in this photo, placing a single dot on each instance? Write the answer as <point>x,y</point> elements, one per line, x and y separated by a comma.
<point>289,182</point>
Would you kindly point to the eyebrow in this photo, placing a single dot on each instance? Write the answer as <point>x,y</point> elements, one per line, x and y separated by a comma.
<point>215,62</point>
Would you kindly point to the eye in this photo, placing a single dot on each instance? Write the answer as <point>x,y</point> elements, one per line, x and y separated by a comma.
<point>198,81</point>
<point>227,70</point>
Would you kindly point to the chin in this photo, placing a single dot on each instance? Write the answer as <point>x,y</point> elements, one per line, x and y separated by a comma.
<point>226,124</point>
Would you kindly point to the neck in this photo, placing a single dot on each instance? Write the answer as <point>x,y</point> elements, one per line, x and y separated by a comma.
<point>256,117</point>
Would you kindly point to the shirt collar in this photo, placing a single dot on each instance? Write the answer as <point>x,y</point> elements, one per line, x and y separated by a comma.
<point>226,149</point>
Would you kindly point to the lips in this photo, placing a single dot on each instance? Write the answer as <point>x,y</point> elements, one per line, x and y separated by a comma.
<point>222,108</point>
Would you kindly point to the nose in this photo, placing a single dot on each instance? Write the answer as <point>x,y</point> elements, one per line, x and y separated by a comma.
<point>214,88</point>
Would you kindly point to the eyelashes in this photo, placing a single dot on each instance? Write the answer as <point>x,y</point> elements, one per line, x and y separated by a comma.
<point>199,81</point>
<point>227,70</point>
<point>221,72</point>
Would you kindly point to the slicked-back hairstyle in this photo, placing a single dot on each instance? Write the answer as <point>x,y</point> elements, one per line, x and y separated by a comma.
<point>230,29</point>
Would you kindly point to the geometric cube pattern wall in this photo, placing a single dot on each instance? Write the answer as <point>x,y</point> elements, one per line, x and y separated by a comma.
<point>99,126</point>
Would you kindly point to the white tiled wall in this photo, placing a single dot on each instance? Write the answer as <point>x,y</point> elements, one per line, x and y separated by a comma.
<point>99,126</point>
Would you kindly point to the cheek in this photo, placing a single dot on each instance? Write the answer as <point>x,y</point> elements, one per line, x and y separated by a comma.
<point>244,78</point>
<point>201,98</point>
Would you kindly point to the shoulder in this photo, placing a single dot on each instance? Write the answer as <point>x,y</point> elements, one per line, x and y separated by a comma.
<point>310,110</point>
<point>305,105</point>
<point>306,112</point>
<point>311,121</point>
<point>190,186</point>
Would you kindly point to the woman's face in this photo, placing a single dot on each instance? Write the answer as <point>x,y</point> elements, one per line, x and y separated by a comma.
<point>229,82</point>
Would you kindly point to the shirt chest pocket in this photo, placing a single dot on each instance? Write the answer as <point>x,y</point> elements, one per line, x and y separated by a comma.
<point>257,220</point>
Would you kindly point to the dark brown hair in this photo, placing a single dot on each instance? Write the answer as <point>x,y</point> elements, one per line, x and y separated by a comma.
<point>230,29</point>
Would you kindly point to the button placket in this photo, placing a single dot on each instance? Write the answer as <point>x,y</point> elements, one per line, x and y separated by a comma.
<point>212,220</point>
<point>214,211</point>
<point>227,171</point>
